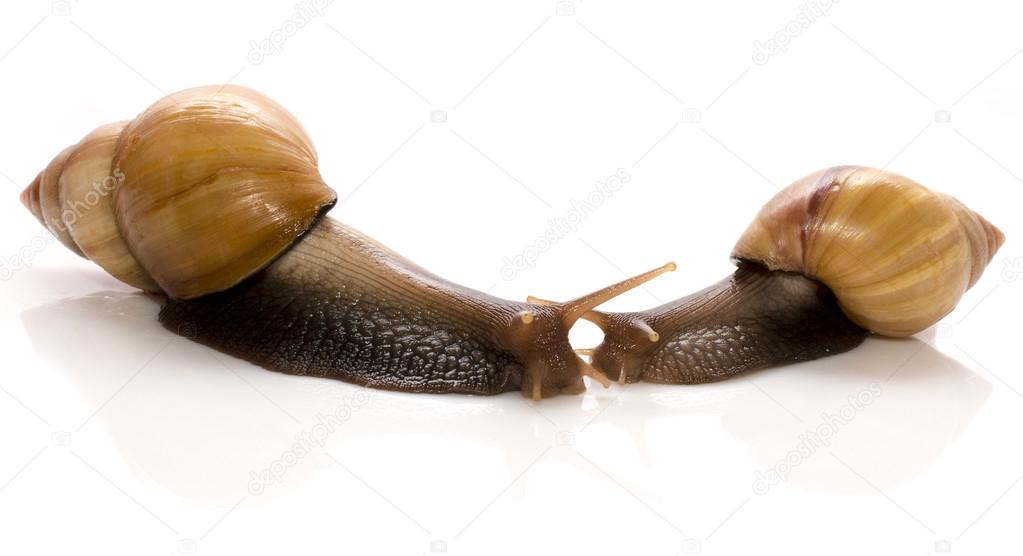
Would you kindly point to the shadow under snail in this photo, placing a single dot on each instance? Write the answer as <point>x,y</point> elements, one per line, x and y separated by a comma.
<point>212,198</point>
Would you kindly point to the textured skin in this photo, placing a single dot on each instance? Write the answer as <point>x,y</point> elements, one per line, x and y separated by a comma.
<point>339,305</point>
<point>751,320</point>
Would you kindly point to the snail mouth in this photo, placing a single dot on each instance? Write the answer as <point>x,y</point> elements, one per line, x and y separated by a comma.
<point>539,332</point>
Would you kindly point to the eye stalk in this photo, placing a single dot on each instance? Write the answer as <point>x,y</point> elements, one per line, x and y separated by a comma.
<point>540,335</point>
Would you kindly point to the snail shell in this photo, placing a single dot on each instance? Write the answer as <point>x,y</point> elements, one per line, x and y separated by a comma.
<point>203,189</point>
<point>897,255</point>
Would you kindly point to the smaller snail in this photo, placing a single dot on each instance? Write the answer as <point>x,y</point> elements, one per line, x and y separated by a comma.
<point>212,198</point>
<point>842,253</point>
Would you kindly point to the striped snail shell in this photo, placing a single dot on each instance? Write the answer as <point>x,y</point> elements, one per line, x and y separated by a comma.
<point>897,255</point>
<point>203,189</point>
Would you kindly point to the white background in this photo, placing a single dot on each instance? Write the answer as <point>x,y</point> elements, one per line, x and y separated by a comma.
<point>120,438</point>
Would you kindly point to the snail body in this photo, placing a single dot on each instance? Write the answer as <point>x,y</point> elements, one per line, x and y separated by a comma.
<point>842,253</point>
<point>340,305</point>
<point>213,199</point>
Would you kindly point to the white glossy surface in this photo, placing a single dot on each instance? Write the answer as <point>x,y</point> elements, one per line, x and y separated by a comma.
<point>119,437</point>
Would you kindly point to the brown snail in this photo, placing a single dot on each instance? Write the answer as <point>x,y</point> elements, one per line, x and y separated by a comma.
<point>212,197</point>
<point>839,254</point>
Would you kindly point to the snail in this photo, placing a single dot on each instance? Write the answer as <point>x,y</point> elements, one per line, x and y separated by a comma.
<point>839,254</point>
<point>212,198</point>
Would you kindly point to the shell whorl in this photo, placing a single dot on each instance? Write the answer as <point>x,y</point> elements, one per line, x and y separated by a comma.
<point>200,191</point>
<point>897,255</point>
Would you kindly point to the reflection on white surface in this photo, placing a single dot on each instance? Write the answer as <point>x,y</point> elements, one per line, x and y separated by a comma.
<point>888,409</point>
<point>188,444</point>
<point>191,400</point>
<point>212,448</point>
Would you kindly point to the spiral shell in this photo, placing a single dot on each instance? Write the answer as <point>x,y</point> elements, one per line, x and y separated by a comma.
<point>897,255</point>
<point>200,191</point>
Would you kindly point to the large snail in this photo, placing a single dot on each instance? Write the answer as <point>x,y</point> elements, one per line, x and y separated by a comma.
<point>212,197</point>
<point>839,254</point>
